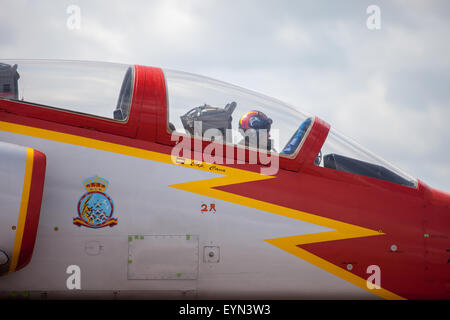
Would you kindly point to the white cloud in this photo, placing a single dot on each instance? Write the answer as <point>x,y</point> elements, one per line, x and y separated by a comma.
<point>291,36</point>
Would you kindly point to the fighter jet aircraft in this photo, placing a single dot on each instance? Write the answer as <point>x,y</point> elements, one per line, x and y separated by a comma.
<point>128,181</point>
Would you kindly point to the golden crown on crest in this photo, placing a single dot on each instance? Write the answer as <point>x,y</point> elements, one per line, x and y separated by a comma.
<point>95,184</point>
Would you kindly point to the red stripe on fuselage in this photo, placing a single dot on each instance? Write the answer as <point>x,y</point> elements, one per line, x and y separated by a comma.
<point>33,211</point>
<point>394,210</point>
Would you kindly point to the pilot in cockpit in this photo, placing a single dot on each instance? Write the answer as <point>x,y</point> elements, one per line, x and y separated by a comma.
<point>255,128</point>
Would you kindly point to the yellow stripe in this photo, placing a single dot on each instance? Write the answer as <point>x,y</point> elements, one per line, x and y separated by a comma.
<point>289,244</point>
<point>23,210</point>
<point>233,176</point>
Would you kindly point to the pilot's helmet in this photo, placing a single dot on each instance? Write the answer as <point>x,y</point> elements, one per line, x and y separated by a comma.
<point>255,120</point>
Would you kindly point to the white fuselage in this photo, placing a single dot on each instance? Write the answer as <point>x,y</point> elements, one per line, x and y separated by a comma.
<point>163,243</point>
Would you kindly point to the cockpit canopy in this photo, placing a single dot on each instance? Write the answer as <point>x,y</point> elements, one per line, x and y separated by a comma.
<point>90,88</point>
<point>105,91</point>
<point>288,131</point>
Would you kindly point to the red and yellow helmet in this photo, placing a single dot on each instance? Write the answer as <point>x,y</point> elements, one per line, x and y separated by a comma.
<point>255,120</point>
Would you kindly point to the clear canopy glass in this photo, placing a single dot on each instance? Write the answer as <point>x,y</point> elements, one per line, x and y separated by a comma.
<point>343,154</point>
<point>94,88</point>
<point>187,91</point>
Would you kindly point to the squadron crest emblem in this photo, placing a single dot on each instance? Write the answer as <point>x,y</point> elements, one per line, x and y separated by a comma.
<point>95,207</point>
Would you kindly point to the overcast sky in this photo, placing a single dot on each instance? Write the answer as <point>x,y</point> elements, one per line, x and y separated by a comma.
<point>387,88</point>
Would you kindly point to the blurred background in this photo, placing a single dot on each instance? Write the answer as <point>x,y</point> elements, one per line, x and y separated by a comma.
<point>380,76</point>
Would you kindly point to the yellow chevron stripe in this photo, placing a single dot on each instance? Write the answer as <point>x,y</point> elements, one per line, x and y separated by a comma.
<point>233,176</point>
<point>22,211</point>
<point>290,244</point>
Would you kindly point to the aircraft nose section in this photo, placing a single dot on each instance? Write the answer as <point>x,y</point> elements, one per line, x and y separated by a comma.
<point>23,172</point>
